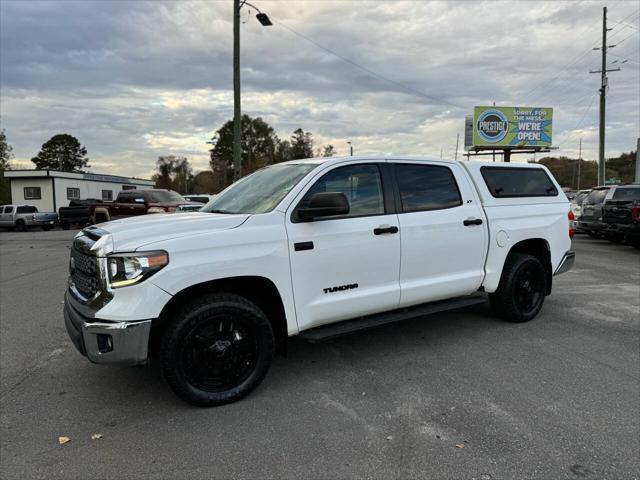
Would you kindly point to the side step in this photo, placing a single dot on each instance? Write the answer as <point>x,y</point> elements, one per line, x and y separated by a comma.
<point>326,332</point>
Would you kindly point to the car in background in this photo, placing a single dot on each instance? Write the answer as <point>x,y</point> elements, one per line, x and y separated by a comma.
<point>591,214</point>
<point>131,203</point>
<point>23,217</point>
<point>621,214</point>
<point>77,213</point>
<point>576,204</point>
<point>199,197</point>
<point>198,200</point>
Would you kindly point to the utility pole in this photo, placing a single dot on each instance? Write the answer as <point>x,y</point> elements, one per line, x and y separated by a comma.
<point>603,94</point>
<point>237,138</point>
<point>637,179</point>
<point>350,149</point>
<point>457,140</point>
<point>579,163</point>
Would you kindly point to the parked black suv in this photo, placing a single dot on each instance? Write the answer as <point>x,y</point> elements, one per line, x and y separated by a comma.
<point>621,214</point>
<point>591,214</point>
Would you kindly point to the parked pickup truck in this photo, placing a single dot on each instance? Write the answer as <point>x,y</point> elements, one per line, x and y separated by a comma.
<point>77,213</point>
<point>621,214</point>
<point>23,217</point>
<point>131,203</point>
<point>316,248</point>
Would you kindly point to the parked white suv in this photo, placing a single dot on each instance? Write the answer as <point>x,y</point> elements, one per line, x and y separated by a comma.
<point>315,248</point>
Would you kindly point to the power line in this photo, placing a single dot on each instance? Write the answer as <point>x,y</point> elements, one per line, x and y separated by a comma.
<point>574,62</point>
<point>363,68</point>
<point>579,124</point>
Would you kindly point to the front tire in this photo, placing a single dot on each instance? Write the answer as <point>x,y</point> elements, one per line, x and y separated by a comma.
<point>522,289</point>
<point>217,350</point>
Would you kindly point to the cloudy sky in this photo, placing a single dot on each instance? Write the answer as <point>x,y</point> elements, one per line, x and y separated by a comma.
<point>135,80</point>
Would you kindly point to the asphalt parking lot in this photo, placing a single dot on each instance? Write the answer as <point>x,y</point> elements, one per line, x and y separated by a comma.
<point>458,395</point>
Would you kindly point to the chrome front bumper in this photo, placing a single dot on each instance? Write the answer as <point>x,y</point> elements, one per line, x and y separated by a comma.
<point>124,343</point>
<point>566,263</point>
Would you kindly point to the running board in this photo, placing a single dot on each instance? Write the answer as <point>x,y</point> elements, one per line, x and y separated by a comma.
<point>326,332</point>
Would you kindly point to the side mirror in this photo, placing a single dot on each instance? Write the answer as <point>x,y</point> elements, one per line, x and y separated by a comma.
<point>325,204</point>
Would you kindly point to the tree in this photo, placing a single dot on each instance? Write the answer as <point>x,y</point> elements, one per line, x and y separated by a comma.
<point>164,175</point>
<point>6,154</point>
<point>206,182</point>
<point>62,152</point>
<point>183,175</point>
<point>301,144</point>
<point>565,170</point>
<point>327,151</point>
<point>258,146</point>
<point>173,173</point>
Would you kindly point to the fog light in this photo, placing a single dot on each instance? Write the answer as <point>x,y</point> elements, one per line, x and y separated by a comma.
<point>105,343</point>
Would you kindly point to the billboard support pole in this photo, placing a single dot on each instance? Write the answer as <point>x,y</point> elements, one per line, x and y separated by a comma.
<point>507,156</point>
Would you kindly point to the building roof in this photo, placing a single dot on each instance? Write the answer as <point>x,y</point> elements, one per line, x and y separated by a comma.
<point>96,177</point>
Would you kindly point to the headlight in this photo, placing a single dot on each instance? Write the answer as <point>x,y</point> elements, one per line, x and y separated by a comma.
<point>128,268</point>
<point>156,210</point>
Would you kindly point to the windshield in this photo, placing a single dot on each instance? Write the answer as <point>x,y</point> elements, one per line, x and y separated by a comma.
<point>261,191</point>
<point>596,196</point>
<point>160,196</point>
<point>580,198</point>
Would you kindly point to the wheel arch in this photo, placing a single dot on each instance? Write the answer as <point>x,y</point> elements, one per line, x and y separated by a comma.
<point>539,248</point>
<point>259,290</point>
<point>102,214</point>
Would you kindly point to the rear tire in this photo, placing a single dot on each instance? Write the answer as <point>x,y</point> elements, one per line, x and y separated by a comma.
<point>65,226</point>
<point>217,349</point>
<point>522,289</point>
<point>21,226</point>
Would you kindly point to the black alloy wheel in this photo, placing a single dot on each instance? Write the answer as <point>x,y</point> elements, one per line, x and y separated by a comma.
<point>522,289</point>
<point>528,288</point>
<point>216,349</point>
<point>219,353</point>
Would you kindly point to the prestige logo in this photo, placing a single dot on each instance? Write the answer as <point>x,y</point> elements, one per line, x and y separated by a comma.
<point>492,125</point>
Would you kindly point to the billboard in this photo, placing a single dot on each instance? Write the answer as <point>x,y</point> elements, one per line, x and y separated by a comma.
<point>512,126</point>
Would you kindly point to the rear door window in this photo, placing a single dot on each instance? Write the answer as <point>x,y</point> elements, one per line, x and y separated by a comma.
<point>426,187</point>
<point>8,209</point>
<point>27,209</point>
<point>632,193</point>
<point>505,182</point>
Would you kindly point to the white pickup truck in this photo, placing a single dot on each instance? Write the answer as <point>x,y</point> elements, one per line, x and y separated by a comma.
<point>315,248</point>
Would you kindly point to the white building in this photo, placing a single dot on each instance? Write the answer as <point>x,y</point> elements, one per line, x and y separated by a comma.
<point>49,190</point>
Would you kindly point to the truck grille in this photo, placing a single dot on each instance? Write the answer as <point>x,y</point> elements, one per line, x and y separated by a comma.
<point>84,273</point>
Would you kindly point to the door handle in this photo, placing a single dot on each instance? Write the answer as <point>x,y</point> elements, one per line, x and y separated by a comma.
<point>385,229</point>
<point>472,221</point>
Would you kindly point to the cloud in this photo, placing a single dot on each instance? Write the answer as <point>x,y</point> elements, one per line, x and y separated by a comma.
<point>135,80</point>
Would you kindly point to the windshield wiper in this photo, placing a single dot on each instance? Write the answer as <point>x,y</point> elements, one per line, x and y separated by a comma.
<point>220,211</point>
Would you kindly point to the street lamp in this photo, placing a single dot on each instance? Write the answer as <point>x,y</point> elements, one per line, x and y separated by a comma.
<point>237,134</point>
<point>350,149</point>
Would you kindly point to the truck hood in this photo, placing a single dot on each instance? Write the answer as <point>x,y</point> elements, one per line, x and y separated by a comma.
<point>133,233</point>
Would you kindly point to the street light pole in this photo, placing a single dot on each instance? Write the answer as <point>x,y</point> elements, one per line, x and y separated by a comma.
<point>350,149</point>
<point>237,114</point>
